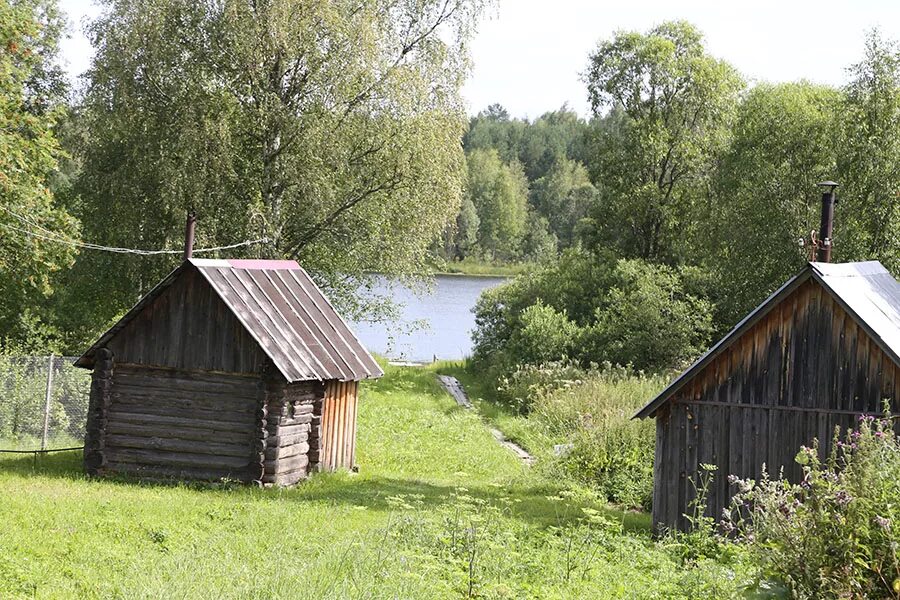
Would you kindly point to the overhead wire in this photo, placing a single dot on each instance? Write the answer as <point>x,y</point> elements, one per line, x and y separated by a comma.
<point>51,236</point>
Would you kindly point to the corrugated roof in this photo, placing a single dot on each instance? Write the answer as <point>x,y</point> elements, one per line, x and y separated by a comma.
<point>866,290</point>
<point>285,312</point>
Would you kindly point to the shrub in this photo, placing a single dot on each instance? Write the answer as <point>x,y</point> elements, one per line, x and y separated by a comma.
<point>544,335</point>
<point>836,534</point>
<point>623,312</point>
<point>648,320</point>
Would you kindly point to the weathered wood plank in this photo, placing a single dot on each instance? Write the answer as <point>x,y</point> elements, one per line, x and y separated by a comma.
<point>190,421</point>
<point>212,433</point>
<point>163,443</point>
<point>179,473</point>
<point>176,459</point>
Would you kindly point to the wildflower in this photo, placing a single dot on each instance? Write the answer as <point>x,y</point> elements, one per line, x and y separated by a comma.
<point>883,522</point>
<point>843,498</point>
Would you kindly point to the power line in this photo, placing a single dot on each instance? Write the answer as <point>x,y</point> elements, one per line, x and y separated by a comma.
<point>51,236</point>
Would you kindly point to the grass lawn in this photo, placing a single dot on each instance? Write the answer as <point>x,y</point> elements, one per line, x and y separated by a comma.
<point>438,510</point>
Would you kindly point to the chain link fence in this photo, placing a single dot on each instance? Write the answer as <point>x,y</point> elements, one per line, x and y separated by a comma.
<point>43,403</point>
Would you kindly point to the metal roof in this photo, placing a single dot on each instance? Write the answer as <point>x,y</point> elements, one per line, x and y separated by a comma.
<point>285,312</point>
<point>866,290</point>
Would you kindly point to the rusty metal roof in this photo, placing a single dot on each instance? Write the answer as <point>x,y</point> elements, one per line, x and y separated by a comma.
<point>285,312</point>
<point>866,290</point>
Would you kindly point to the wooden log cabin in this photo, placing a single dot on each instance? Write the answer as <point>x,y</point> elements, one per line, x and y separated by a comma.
<point>818,353</point>
<point>227,369</point>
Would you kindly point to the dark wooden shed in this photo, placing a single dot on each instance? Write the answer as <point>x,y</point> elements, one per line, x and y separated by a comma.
<point>818,353</point>
<point>237,369</point>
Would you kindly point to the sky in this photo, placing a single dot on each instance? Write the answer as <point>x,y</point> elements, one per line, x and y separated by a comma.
<point>528,55</point>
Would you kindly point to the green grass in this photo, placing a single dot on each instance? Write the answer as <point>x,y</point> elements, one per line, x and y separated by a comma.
<point>438,510</point>
<point>528,433</point>
<point>483,269</point>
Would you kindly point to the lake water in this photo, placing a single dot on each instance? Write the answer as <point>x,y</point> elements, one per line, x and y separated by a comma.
<point>434,323</point>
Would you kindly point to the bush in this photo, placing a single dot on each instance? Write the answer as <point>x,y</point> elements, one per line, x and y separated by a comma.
<point>620,311</point>
<point>586,412</point>
<point>836,534</point>
<point>544,335</point>
<point>610,451</point>
<point>649,320</point>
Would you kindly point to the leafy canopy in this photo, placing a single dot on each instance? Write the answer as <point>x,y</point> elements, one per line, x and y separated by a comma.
<point>329,128</point>
<point>30,94</point>
<point>671,105</point>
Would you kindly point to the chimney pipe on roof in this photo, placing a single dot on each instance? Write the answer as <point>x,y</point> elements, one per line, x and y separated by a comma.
<point>826,227</point>
<point>189,234</point>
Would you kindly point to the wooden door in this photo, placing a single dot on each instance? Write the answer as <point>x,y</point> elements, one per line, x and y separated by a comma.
<point>338,441</point>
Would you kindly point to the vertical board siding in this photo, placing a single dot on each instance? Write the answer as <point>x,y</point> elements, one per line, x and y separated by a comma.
<point>188,327</point>
<point>800,372</point>
<point>338,432</point>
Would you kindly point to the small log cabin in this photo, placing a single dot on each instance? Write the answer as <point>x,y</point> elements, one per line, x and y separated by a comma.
<point>819,352</point>
<point>227,369</point>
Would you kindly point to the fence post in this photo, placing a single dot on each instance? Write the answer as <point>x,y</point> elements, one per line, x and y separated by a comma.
<point>47,403</point>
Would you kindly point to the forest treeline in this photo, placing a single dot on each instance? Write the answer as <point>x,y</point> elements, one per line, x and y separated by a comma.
<point>683,200</point>
<point>336,135</point>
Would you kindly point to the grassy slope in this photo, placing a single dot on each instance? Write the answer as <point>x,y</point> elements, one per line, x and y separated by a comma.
<point>438,509</point>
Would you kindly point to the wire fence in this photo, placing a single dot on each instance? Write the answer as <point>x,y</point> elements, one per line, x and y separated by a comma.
<point>43,403</point>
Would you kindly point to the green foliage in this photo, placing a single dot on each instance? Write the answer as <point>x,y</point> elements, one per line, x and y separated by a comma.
<point>499,193</point>
<point>539,244</point>
<point>766,198</point>
<point>648,319</point>
<point>331,129</point>
<point>545,335</point>
<point>31,90</point>
<point>869,159</point>
<point>520,389</point>
<point>623,312</point>
<point>539,145</point>
<point>23,382</point>
<point>672,106</point>
<point>835,534</point>
<point>610,451</point>
<point>564,195</point>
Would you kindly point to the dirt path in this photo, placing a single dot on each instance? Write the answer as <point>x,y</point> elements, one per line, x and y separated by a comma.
<point>455,389</point>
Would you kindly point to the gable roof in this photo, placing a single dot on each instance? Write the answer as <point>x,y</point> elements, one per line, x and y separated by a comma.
<point>866,290</point>
<point>281,307</point>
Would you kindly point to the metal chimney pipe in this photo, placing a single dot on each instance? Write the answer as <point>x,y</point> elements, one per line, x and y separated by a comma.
<point>189,234</point>
<point>826,227</point>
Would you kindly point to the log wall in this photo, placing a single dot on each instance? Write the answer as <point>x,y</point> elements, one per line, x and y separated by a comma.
<point>186,425</point>
<point>802,370</point>
<point>338,426</point>
<point>289,411</point>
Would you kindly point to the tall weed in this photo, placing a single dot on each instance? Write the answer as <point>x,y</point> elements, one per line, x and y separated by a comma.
<point>586,414</point>
<point>836,533</point>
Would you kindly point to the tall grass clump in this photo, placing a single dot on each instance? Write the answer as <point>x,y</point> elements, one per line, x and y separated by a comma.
<point>609,450</point>
<point>836,533</point>
<point>586,415</point>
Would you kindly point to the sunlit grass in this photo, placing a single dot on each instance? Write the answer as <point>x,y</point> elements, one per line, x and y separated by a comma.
<point>438,510</point>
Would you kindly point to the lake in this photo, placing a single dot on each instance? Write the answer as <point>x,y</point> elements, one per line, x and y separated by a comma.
<point>445,311</point>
